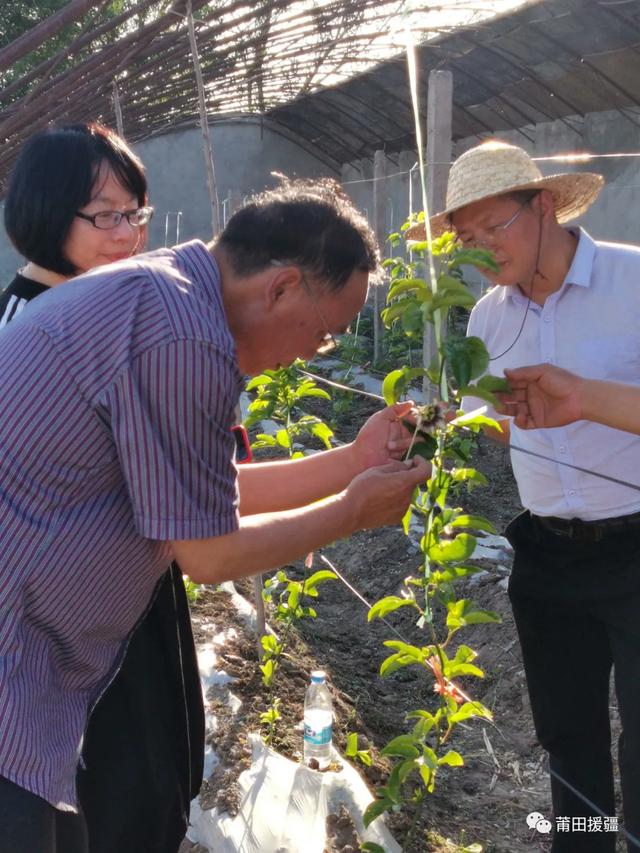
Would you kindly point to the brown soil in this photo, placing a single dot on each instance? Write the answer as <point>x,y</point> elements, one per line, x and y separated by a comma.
<point>504,778</point>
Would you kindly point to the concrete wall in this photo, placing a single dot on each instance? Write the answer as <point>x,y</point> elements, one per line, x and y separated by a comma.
<point>246,151</point>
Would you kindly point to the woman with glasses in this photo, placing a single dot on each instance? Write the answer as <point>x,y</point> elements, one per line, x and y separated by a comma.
<point>77,200</point>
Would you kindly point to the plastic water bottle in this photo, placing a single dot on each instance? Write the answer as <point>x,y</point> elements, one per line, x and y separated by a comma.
<point>318,722</point>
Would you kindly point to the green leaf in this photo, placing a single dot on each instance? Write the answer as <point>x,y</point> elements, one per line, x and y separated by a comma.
<point>429,757</point>
<point>313,392</point>
<point>428,777</point>
<point>401,286</point>
<point>474,522</point>
<point>469,476</point>
<point>467,357</point>
<point>457,549</point>
<point>425,447</point>
<point>352,744</point>
<point>452,758</point>
<point>390,390</point>
<point>269,643</point>
<point>469,710</point>
<point>397,381</point>
<point>323,432</point>
<point>258,381</point>
<point>451,574</point>
<point>388,605</point>
<point>372,847</point>
<point>397,310</point>
<point>406,520</point>
<point>402,746</point>
<point>451,292</point>
<point>264,440</point>
<point>412,318</point>
<point>464,612</point>
<point>267,670</point>
<point>473,420</point>
<point>272,715</point>
<point>294,590</point>
<point>316,578</point>
<point>283,438</point>
<point>483,259</point>
<point>494,383</point>
<point>426,722</point>
<point>375,809</point>
<point>397,661</point>
<point>456,670</point>
<point>477,391</point>
<point>407,649</point>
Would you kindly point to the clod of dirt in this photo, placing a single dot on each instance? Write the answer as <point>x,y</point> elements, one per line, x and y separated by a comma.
<point>341,832</point>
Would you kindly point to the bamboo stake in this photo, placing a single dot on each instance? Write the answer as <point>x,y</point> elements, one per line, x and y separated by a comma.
<point>117,108</point>
<point>204,126</point>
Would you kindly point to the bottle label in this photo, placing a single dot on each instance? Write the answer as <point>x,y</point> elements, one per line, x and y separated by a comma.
<point>318,737</point>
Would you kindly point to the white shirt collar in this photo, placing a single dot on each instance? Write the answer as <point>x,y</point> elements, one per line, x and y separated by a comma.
<point>579,272</point>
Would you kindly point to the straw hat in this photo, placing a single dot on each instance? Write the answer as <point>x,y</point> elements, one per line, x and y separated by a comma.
<point>495,168</point>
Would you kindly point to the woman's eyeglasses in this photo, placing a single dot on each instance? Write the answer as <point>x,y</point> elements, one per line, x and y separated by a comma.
<point>108,219</point>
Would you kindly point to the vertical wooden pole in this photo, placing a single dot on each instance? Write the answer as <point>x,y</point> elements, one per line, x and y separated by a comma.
<point>117,108</point>
<point>439,123</point>
<point>204,125</point>
<point>379,227</point>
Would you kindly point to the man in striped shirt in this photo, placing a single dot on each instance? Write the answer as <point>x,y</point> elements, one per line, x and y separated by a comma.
<point>117,398</point>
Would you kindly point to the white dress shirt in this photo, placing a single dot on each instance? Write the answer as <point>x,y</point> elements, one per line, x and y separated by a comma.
<point>590,326</point>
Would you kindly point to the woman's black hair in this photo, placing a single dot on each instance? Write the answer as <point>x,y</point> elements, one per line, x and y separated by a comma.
<point>53,178</point>
<point>309,223</point>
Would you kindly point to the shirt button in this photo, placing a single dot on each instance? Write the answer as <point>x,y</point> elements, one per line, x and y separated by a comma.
<point>562,449</point>
<point>547,318</point>
<point>572,493</point>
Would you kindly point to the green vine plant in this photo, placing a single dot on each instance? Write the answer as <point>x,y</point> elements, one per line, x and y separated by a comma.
<point>278,396</point>
<point>448,540</point>
<point>289,597</point>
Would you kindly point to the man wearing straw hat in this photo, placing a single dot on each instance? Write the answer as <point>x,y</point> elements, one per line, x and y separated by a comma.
<point>568,300</point>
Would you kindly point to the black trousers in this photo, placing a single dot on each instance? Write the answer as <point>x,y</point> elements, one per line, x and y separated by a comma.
<point>28,824</point>
<point>144,747</point>
<point>577,610</point>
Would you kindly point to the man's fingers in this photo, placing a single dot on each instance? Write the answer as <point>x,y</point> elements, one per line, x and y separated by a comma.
<point>416,467</point>
<point>524,374</point>
<point>401,409</point>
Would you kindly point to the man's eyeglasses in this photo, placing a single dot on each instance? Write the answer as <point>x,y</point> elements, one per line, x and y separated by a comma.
<point>108,219</point>
<point>494,233</point>
<point>329,343</point>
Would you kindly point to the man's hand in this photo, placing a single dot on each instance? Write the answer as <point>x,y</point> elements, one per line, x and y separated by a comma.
<point>383,437</point>
<point>381,495</point>
<point>543,396</point>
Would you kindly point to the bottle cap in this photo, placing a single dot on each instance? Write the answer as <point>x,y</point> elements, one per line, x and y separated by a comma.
<point>318,676</point>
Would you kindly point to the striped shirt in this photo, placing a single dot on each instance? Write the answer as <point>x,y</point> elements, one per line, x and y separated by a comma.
<point>117,396</point>
<point>14,297</point>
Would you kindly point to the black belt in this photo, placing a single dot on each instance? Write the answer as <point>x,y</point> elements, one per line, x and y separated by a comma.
<point>587,531</point>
